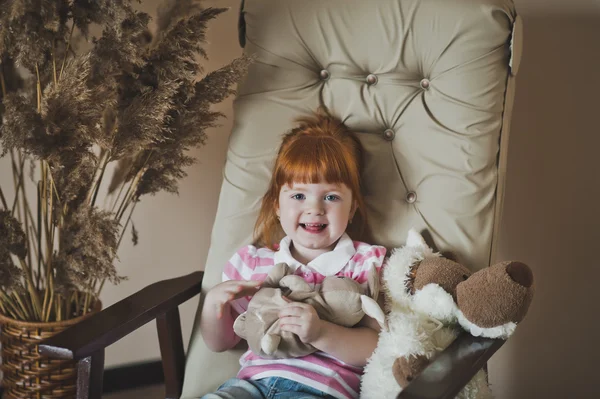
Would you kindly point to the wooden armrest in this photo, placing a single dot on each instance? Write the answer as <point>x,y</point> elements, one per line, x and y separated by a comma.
<point>113,323</point>
<point>452,369</point>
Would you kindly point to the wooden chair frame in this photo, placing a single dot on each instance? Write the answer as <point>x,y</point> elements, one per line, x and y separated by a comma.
<point>85,343</point>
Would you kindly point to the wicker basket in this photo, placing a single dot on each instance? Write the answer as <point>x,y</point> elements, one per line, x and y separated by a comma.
<point>27,374</point>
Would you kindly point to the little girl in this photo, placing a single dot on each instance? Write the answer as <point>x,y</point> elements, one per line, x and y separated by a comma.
<point>312,197</point>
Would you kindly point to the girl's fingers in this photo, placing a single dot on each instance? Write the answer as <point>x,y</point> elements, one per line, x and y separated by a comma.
<point>291,311</point>
<point>301,305</point>
<point>249,284</point>
<point>246,291</point>
<point>220,311</point>
<point>297,305</point>
<point>237,286</point>
<point>293,328</point>
<point>290,321</point>
<point>241,289</point>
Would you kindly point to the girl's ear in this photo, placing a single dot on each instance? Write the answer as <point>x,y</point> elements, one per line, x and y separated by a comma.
<point>353,210</point>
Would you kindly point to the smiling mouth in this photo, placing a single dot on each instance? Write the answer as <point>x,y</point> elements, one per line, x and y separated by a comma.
<point>313,227</point>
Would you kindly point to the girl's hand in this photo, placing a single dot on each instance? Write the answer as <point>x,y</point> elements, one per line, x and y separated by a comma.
<point>221,294</point>
<point>301,319</point>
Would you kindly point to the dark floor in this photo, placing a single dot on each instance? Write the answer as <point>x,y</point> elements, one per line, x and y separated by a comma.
<point>151,392</point>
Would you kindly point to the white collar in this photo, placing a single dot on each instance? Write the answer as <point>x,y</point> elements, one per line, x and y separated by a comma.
<point>327,264</point>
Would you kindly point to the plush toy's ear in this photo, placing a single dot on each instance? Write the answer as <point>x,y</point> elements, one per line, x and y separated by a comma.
<point>373,283</point>
<point>239,326</point>
<point>372,309</point>
<point>295,284</point>
<point>453,256</point>
<point>416,240</point>
<point>275,275</point>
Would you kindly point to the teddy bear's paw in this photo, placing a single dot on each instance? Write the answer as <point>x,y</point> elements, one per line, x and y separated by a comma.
<point>269,343</point>
<point>405,369</point>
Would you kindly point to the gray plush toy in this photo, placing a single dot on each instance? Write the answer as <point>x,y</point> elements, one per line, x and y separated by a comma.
<point>339,300</point>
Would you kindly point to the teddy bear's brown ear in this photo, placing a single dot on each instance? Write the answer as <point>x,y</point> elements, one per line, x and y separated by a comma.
<point>450,255</point>
<point>441,271</point>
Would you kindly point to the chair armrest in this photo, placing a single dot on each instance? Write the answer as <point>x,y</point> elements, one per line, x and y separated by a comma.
<point>113,323</point>
<point>452,369</point>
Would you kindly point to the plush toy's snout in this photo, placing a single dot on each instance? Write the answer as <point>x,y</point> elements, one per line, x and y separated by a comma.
<point>520,273</point>
<point>496,295</point>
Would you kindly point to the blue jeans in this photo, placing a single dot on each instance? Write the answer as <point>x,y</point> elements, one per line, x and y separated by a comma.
<point>265,388</point>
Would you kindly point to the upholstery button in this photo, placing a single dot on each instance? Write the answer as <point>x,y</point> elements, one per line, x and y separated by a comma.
<point>411,197</point>
<point>389,134</point>
<point>324,74</point>
<point>425,83</point>
<point>372,79</point>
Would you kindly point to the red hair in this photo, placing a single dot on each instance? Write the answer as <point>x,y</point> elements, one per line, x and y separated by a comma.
<point>321,149</point>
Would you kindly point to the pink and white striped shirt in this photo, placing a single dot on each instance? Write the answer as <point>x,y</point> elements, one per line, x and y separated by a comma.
<point>318,370</point>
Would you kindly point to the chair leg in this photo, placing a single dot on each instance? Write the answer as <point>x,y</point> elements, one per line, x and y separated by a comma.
<point>171,349</point>
<point>90,372</point>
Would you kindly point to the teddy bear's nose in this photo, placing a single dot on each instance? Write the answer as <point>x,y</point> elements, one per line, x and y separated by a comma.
<point>520,273</point>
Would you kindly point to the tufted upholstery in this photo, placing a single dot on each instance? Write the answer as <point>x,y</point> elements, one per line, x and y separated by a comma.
<point>428,86</point>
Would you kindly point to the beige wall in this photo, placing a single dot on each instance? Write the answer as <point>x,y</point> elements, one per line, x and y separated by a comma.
<point>557,7</point>
<point>175,230</point>
<point>551,216</point>
<point>551,213</point>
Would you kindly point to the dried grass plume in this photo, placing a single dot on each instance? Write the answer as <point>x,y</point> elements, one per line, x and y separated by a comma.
<point>138,100</point>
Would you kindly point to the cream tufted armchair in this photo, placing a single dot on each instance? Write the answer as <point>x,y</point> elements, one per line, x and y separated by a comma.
<point>427,84</point>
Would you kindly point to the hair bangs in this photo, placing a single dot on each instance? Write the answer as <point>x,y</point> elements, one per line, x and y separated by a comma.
<point>316,160</point>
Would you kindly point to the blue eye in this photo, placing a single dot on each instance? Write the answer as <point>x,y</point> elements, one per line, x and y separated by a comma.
<point>298,196</point>
<point>331,197</point>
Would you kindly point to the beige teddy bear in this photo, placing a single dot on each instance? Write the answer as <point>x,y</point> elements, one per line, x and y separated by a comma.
<point>339,300</point>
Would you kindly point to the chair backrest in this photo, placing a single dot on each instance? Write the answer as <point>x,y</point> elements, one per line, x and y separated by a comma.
<point>427,84</point>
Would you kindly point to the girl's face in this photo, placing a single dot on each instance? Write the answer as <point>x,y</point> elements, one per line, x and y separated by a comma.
<point>314,216</point>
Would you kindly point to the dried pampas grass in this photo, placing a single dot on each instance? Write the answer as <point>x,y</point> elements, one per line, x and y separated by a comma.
<point>134,99</point>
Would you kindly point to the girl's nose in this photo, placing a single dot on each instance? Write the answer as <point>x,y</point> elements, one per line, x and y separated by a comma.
<point>315,208</point>
<point>316,212</point>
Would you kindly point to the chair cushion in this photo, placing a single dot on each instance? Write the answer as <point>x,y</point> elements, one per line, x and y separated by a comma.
<point>422,82</point>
